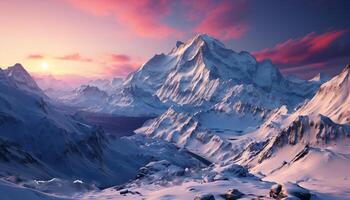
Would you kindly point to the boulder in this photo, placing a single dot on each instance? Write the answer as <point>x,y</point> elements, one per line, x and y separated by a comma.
<point>292,189</point>
<point>276,191</point>
<point>232,194</point>
<point>124,191</point>
<point>289,191</point>
<point>204,197</point>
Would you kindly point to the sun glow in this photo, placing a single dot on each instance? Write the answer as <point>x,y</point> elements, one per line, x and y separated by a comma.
<point>45,66</point>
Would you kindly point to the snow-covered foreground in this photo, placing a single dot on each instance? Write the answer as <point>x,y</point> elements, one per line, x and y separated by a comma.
<point>188,190</point>
<point>223,126</point>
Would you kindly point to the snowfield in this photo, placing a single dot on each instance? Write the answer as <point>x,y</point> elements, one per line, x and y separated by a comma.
<point>221,126</point>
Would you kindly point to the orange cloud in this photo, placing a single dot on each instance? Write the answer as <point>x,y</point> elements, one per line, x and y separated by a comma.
<point>74,57</point>
<point>35,56</point>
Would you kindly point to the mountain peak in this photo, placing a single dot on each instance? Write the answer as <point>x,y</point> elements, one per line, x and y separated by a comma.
<point>21,78</point>
<point>206,39</point>
<point>344,75</point>
<point>346,69</point>
<point>179,43</point>
<point>332,99</point>
<point>320,77</point>
<point>17,67</point>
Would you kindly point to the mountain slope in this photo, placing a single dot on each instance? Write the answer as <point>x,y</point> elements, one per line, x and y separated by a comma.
<point>304,145</point>
<point>216,95</point>
<point>251,115</point>
<point>333,99</point>
<point>38,141</point>
<point>19,78</point>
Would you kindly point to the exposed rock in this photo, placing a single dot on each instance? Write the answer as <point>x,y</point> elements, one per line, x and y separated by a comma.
<point>204,197</point>
<point>232,194</point>
<point>220,177</point>
<point>291,189</point>
<point>276,191</point>
<point>291,198</point>
<point>124,192</point>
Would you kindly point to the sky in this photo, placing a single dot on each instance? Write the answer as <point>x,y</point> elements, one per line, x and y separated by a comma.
<point>77,40</point>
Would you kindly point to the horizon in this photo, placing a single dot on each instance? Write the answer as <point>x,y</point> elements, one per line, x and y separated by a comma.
<point>75,40</point>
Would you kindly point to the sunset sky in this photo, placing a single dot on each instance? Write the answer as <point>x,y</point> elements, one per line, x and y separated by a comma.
<point>73,39</point>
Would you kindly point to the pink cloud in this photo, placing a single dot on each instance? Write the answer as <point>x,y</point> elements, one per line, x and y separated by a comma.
<point>308,50</point>
<point>143,17</point>
<point>121,69</point>
<point>148,18</point>
<point>119,64</point>
<point>74,57</point>
<point>35,56</point>
<point>119,58</point>
<point>224,20</point>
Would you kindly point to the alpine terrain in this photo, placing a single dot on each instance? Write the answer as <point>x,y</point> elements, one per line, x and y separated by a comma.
<point>218,125</point>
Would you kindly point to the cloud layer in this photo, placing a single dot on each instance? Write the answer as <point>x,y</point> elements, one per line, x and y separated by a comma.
<point>109,65</point>
<point>224,19</point>
<point>313,50</point>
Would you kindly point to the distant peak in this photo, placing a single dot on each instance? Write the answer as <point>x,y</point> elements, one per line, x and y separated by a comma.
<point>18,66</point>
<point>346,68</point>
<point>321,77</point>
<point>266,62</point>
<point>179,43</point>
<point>201,36</point>
<point>342,79</point>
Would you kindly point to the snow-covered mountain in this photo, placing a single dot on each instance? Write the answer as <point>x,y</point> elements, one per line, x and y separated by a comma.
<point>304,145</point>
<point>216,95</point>
<point>40,142</point>
<point>106,85</point>
<point>46,82</point>
<point>85,96</point>
<point>321,78</point>
<point>35,135</point>
<point>19,78</point>
<point>250,123</point>
<point>203,73</point>
<point>48,150</point>
<point>283,146</point>
<point>332,100</point>
<point>52,86</point>
<point>225,126</point>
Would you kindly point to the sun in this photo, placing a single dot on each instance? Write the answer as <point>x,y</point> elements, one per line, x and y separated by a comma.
<point>45,65</point>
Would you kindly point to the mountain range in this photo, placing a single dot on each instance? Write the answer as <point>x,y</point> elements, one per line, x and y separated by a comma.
<point>221,120</point>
